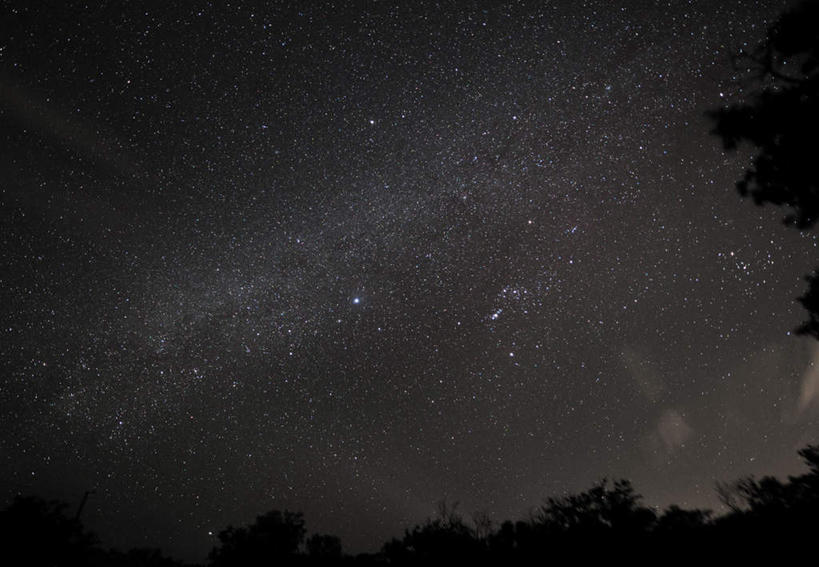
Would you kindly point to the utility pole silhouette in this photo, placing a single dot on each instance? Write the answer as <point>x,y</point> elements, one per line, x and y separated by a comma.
<point>82,503</point>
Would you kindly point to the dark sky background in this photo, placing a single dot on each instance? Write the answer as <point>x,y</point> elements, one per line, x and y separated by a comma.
<point>352,258</point>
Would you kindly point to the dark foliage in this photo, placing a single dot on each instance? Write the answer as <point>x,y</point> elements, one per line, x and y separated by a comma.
<point>323,547</point>
<point>445,539</point>
<point>607,523</point>
<point>780,121</point>
<point>39,531</point>
<point>134,558</point>
<point>274,538</point>
<point>609,514</point>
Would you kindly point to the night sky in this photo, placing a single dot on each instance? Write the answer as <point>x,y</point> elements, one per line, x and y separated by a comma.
<point>353,258</point>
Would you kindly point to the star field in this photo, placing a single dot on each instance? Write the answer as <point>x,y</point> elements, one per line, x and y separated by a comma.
<point>355,258</point>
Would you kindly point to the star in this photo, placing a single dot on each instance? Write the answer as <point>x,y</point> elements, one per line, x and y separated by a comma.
<point>191,231</point>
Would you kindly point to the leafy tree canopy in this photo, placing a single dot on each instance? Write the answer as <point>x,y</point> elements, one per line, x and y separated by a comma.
<point>781,122</point>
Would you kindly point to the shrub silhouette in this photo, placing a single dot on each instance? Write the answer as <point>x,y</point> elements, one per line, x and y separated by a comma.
<point>600,509</point>
<point>323,547</point>
<point>445,539</point>
<point>140,557</point>
<point>39,532</point>
<point>610,514</point>
<point>676,520</point>
<point>607,522</point>
<point>274,538</point>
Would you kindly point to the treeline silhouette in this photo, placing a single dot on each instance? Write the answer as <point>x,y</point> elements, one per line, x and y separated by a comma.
<point>607,522</point>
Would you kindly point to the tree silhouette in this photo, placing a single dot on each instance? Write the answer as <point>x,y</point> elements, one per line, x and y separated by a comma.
<point>503,542</point>
<point>274,538</point>
<point>676,519</point>
<point>39,533</point>
<point>139,557</point>
<point>771,496</point>
<point>605,523</point>
<point>445,540</point>
<point>601,508</point>
<point>781,122</point>
<point>323,547</point>
<point>608,513</point>
<point>770,514</point>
